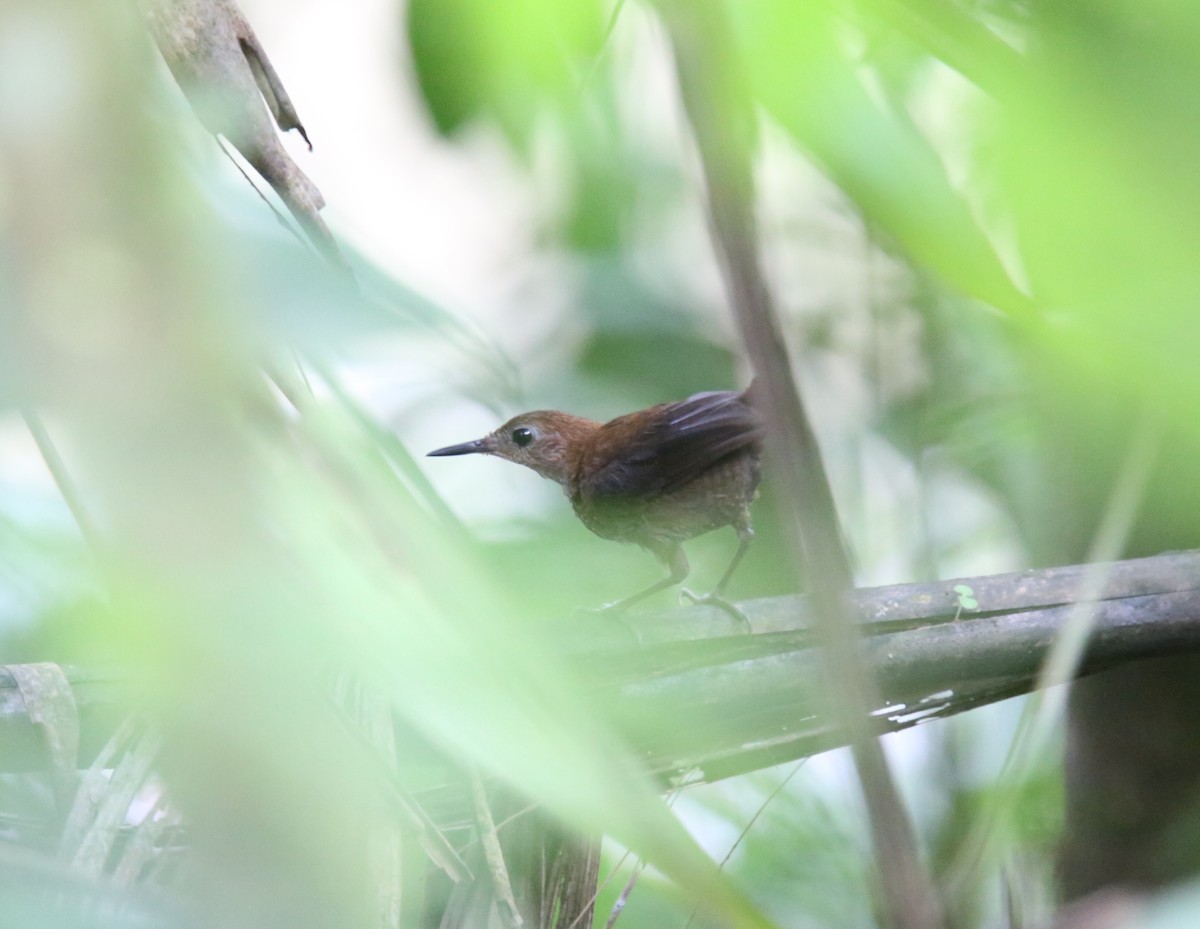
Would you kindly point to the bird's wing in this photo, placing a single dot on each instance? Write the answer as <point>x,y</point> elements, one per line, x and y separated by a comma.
<point>676,443</point>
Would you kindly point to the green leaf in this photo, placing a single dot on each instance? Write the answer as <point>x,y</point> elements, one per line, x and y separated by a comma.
<point>806,78</point>
<point>502,60</point>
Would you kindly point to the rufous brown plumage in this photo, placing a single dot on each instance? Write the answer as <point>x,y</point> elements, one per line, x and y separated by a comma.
<point>656,477</point>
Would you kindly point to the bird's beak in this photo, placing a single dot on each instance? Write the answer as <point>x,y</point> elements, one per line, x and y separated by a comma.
<point>479,446</point>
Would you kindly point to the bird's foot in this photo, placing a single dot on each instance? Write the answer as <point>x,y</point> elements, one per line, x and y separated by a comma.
<point>715,599</point>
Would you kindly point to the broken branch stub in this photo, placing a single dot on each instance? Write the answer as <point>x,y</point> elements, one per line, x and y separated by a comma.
<point>225,73</point>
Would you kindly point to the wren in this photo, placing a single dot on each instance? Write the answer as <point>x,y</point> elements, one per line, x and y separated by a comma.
<point>656,477</point>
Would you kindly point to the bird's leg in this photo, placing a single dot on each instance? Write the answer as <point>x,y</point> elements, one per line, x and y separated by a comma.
<point>717,598</point>
<point>745,537</point>
<point>675,561</point>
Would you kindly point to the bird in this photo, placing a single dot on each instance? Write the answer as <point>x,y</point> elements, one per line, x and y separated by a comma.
<point>655,477</point>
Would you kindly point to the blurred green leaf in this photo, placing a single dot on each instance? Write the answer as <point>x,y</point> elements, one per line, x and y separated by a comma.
<point>475,58</point>
<point>803,73</point>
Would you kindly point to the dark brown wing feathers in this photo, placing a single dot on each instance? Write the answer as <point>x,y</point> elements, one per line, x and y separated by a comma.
<point>676,443</point>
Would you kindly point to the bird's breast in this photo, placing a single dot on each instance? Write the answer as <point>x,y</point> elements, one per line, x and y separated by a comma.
<point>717,497</point>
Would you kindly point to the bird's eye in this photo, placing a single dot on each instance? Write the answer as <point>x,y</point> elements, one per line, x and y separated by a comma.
<point>522,437</point>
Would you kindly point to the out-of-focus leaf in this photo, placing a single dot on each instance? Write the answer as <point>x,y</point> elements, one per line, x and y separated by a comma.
<point>473,57</point>
<point>604,192</point>
<point>802,73</point>
<point>1096,162</point>
<point>626,358</point>
<point>1099,166</point>
<point>372,720</point>
<point>305,303</point>
<point>635,330</point>
<point>963,39</point>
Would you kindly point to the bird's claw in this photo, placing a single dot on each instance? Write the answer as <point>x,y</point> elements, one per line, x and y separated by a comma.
<point>715,599</point>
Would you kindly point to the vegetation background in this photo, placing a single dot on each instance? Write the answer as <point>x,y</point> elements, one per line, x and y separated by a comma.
<point>980,223</point>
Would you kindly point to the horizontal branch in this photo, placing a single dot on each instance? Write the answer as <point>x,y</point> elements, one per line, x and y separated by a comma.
<point>936,649</point>
<point>751,701</point>
<point>894,607</point>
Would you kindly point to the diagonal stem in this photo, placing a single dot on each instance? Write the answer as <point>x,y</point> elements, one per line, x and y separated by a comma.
<point>721,114</point>
<point>62,478</point>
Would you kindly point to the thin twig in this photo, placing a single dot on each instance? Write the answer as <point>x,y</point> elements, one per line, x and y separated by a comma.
<point>600,889</point>
<point>62,478</point>
<point>670,802</point>
<point>757,813</point>
<point>279,217</point>
<point>410,814</point>
<point>619,906</point>
<point>524,811</point>
<point>391,448</point>
<point>750,825</point>
<point>506,903</point>
<point>467,845</point>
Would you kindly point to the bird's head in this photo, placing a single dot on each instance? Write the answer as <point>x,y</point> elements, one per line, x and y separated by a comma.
<point>541,440</point>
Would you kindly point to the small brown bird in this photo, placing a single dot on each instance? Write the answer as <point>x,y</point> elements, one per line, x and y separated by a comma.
<point>655,477</point>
